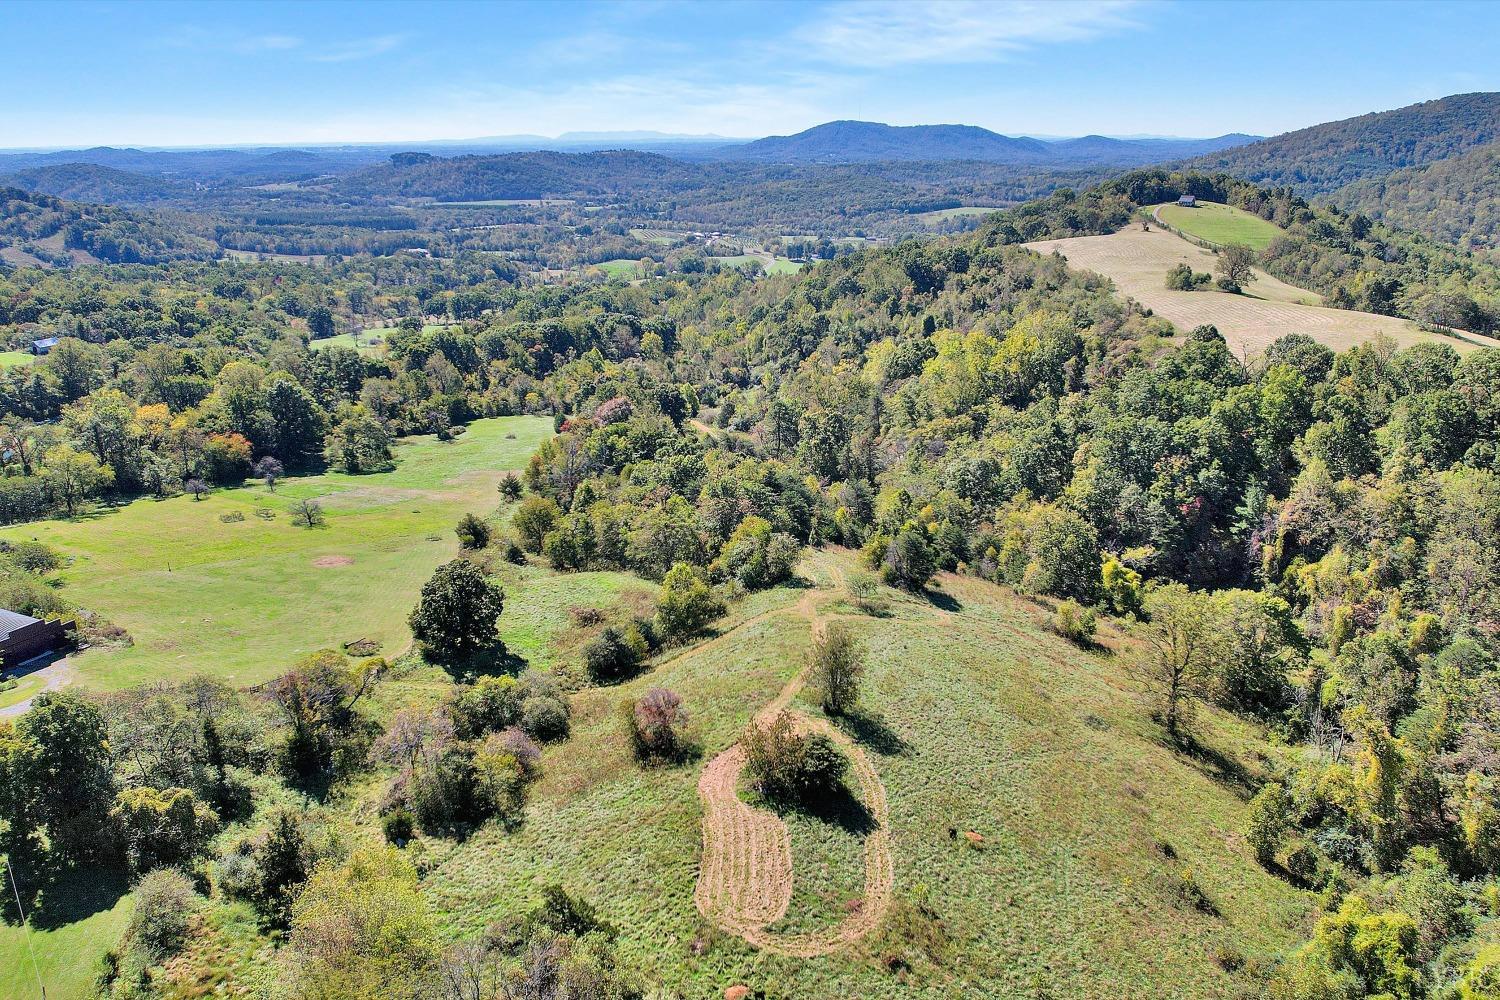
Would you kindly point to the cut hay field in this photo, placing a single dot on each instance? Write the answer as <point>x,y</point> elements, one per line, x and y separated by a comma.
<point>1137,262</point>
<point>1222,224</point>
<point>241,599</point>
<point>976,719</point>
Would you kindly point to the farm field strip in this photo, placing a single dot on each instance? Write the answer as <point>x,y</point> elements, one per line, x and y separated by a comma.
<point>1137,262</point>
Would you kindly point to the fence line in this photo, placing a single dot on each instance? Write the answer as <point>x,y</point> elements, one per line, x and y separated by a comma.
<point>1200,241</point>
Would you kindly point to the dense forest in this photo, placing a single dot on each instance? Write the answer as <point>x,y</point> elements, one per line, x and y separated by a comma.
<point>1323,158</point>
<point>1456,200</point>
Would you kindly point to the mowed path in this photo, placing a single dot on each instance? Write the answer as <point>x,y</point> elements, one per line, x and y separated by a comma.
<point>745,877</point>
<point>1137,262</point>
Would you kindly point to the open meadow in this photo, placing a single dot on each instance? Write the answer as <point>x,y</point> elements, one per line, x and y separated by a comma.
<point>213,587</point>
<point>1137,262</point>
<point>1088,826</point>
<point>1222,224</point>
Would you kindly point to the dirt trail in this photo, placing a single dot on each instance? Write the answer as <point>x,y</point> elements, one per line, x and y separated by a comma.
<point>745,879</point>
<point>56,676</point>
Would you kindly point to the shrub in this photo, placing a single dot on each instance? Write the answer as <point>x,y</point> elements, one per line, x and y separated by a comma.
<point>1075,623</point>
<point>33,557</point>
<point>534,703</point>
<point>756,556</point>
<point>162,826</point>
<point>513,553</point>
<point>655,722</point>
<point>615,653</point>
<point>398,825</point>
<point>164,907</point>
<point>546,718</point>
<point>838,663</point>
<point>908,561</point>
<point>446,789</point>
<point>783,765</point>
<point>510,486</point>
<point>1123,591</point>
<point>473,532</point>
<point>562,913</point>
<point>1182,278</point>
<point>1267,821</point>
<point>687,603</point>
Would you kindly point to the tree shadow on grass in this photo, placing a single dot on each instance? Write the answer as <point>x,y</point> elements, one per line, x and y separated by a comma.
<point>838,807</point>
<point>1216,764</point>
<point>485,663</point>
<point>943,601</point>
<point>66,897</point>
<point>871,730</point>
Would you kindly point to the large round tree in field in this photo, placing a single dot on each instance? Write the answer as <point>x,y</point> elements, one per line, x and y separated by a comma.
<point>455,617</point>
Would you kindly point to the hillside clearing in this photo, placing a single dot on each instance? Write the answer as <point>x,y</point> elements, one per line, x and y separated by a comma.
<point>258,595</point>
<point>986,723</point>
<point>1222,224</point>
<point>369,342</point>
<point>1137,262</point>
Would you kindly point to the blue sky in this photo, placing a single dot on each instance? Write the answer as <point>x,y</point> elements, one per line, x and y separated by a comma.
<point>187,73</point>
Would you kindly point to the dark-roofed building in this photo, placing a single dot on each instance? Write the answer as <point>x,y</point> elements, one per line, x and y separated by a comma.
<point>23,637</point>
<point>44,345</point>
<point>1188,201</point>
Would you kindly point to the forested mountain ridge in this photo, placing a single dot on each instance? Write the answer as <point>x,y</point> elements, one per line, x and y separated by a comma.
<point>856,141</point>
<point>1456,200</point>
<point>1323,158</point>
<point>111,234</point>
<point>90,182</point>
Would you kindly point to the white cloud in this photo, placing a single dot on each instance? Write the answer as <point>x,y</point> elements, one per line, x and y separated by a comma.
<point>266,43</point>
<point>359,48</point>
<point>877,33</point>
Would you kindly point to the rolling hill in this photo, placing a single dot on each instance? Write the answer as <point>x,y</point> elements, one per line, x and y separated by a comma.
<point>92,182</point>
<point>1323,158</point>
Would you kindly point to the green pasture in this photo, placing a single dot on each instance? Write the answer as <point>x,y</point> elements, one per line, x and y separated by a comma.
<point>242,598</point>
<point>1221,224</point>
<point>621,267</point>
<point>16,359</point>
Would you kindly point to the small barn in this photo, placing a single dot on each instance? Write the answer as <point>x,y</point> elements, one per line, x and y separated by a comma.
<point>23,637</point>
<point>1188,201</point>
<point>40,347</point>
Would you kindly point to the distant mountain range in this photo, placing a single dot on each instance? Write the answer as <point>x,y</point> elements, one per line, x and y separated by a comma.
<point>834,142</point>
<point>858,142</point>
